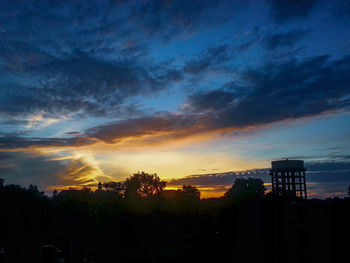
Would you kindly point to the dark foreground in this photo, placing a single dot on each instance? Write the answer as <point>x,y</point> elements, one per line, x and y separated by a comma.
<point>86,226</point>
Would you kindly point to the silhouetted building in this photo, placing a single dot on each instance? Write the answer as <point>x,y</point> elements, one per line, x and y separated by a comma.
<point>288,177</point>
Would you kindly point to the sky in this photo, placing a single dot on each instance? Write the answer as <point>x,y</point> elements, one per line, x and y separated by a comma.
<point>199,92</point>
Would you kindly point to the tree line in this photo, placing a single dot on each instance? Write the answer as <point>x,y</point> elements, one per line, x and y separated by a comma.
<point>138,220</point>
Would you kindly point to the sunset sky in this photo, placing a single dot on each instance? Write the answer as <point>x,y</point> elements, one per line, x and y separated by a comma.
<point>195,91</point>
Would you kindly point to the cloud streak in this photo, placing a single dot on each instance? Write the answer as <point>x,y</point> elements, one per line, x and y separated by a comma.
<point>272,93</point>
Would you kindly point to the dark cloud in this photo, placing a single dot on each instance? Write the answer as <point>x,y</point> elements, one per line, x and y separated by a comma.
<point>285,10</point>
<point>16,142</point>
<point>213,58</point>
<point>161,127</point>
<point>226,178</point>
<point>4,156</point>
<point>212,100</point>
<point>279,92</point>
<point>82,84</point>
<point>148,130</point>
<point>324,179</point>
<point>73,133</point>
<point>74,58</point>
<point>342,9</point>
<point>26,168</point>
<point>327,179</point>
<point>47,171</point>
<point>14,122</point>
<point>328,166</point>
<point>168,19</point>
<point>271,93</point>
<point>329,158</point>
<point>77,58</point>
<point>283,40</point>
<point>265,95</point>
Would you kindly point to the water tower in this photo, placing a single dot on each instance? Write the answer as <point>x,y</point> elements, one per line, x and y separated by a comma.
<point>288,177</point>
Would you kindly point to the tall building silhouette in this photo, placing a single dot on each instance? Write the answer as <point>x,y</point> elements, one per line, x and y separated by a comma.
<point>288,177</point>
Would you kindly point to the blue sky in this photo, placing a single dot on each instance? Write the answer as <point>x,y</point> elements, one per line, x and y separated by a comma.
<point>95,91</point>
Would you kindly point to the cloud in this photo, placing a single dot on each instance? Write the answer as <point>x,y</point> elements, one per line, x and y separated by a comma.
<point>277,92</point>
<point>75,58</point>
<point>216,184</point>
<point>285,10</point>
<point>73,133</point>
<point>79,172</point>
<point>26,168</point>
<point>226,178</point>
<point>283,40</point>
<point>336,158</point>
<point>213,100</point>
<point>342,9</point>
<point>213,58</point>
<point>328,166</point>
<point>150,130</point>
<point>262,96</point>
<point>72,59</point>
<point>78,59</point>
<point>81,84</point>
<point>327,179</point>
<point>171,19</point>
<point>19,143</point>
<point>49,171</point>
<point>4,156</point>
<point>324,179</point>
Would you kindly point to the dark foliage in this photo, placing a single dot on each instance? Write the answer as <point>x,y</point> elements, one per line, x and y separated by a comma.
<point>243,189</point>
<point>143,185</point>
<point>189,193</point>
<point>158,225</point>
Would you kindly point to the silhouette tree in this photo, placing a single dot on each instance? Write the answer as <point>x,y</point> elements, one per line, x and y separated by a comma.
<point>246,189</point>
<point>116,187</point>
<point>348,191</point>
<point>143,185</point>
<point>189,192</point>
<point>33,190</point>
<point>72,193</point>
